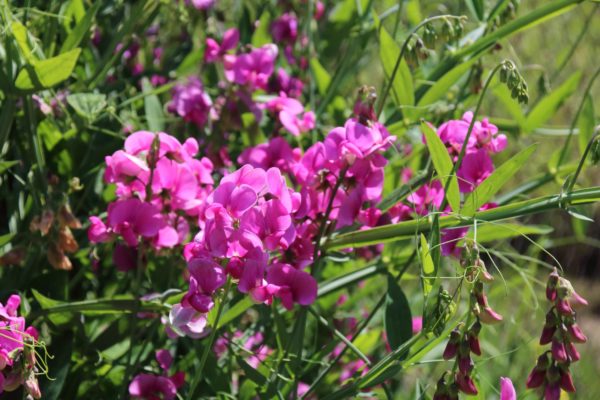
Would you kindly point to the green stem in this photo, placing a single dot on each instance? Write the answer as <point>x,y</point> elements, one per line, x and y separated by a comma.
<point>582,161</point>
<point>389,233</point>
<point>211,339</point>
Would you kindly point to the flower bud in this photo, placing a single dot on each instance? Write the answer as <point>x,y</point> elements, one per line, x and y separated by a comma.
<point>551,285</point>
<point>566,381</point>
<point>452,346</point>
<point>575,333</point>
<point>552,392</point>
<point>559,351</point>
<point>465,384</point>
<point>572,352</point>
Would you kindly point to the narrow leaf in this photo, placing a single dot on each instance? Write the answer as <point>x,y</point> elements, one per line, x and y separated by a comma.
<point>489,187</point>
<point>428,267</point>
<point>402,86</point>
<point>153,109</point>
<point>442,164</point>
<point>262,35</point>
<point>398,319</point>
<point>320,75</point>
<point>547,107</point>
<point>586,123</point>
<point>499,231</point>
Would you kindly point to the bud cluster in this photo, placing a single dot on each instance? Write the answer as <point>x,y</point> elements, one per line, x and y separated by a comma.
<point>551,372</point>
<point>464,340</point>
<point>57,226</point>
<point>515,82</point>
<point>451,29</point>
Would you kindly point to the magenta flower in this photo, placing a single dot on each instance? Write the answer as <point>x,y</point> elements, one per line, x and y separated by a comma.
<point>291,114</point>
<point>285,28</point>
<point>252,69</point>
<point>215,51</point>
<point>201,4</point>
<point>150,387</point>
<point>293,285</point>
<point>133,218</point>
<point>191,102</point>
<point>474,169</point>
<point>507,390</point>
<point>276,153</point>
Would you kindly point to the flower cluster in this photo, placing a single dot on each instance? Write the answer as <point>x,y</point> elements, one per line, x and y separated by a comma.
<point>161,189</point>
<point>17,355</point>
<point>464,340</point>
<point>551,372</point>
<point>475,167</point>
<point>261,233</point>
<point>146,386</point>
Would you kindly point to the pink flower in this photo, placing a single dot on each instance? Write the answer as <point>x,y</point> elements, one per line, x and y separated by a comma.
<point>215,51</point>
<point>133,218</point>
<point>291,114</point>
<point>285,28</point>
<point>427,197</point>
<point>474,169</point>
<point>292,285</point>
<point>507,390</point>
<point>151,387</point>
<point>186,321</point>
<point>276,153</point>
<point>191,102</point>
<point>201,4</point>
<point>282,82</point>
<point>252,69</point>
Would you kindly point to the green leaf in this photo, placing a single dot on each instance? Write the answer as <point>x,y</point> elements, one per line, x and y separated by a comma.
<point>340,282</point>
<point>46,303</point>
<point>440,88</point>
<point>153,109</point>
<point>586,123</point>
<point>397,319</point>
<point>253,374</point>
<point>22,37</point>
<point>238,309</point>
<point>320,75</point>
<point>6,238</point>
<point>442,164</point>
<point>87,105</point>
<point>477,7</point>
<point>47,73</point>
<point>4,165</point>
<point>428,267</point>
<point>489,187</point>
<point>81,29</point>
<point>402,86</point>
<point>261,35</point>
<point>547,107</point>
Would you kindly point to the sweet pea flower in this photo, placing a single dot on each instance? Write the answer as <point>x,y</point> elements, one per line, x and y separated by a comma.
<point>149,386</point>
<point>132,218</point>
<point>507,390</point>
<point>215,51</point>
<point>186,321</point>
<point>192,103</point>
<point>291,285</point>
<point>282,82</point>
<point>285,28</point>
<point>201,4</point>
<point>291,114</point>
<point>252,69</point>
<point>275,153</point>
<point>474,169</point>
